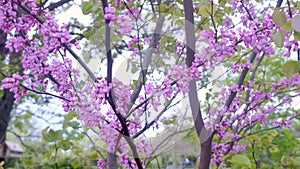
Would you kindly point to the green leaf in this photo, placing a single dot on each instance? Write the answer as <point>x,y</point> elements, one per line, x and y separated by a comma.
<point>96,37</point>
<point>44,131</point>
<point>222,3</point>
<point>48,154</point>
<point>240,160</point>
<point>163,8</point>
<point>76,165</point>
<point>74,124</point>
<point>204,11</point>
<point>1,93</point>
<point>296,23</point>
<point>180,2</point>
<point>134,69</point>
<point>273,149</point>
<point>287,26</point>
<point>71,115</point>
<point>291,67</point>
<point>285,160</point>
<point>295,161</point>
<point>296,35</point>
<point>95,156</point>
<point>204,2</point>
<point>228,10</point>
<point>279,17</point>
<point>52,135</point>
<point>65,144</point>
<point>86,58</point>
<point>87,7</point>
<point>278,39</point>
<point>87,34</point>
<point>28,162</point>
<point>166,103</point>
<point>253,137</point>
<point>176,12</point>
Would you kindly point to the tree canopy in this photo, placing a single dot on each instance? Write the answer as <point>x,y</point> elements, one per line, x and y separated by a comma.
<point>227,70</point>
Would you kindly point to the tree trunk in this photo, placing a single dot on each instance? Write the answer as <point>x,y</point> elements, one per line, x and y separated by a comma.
<point>7,100</point>
<point>205,136</point>
<point>6,105</point>
<point>112,161</point>
<point>205,154</point>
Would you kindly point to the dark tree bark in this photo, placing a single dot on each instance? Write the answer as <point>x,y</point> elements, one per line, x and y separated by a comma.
<point>60,3</point>
<point>6,105</point>
<point>112,161</point>
<point>7,100</point>
<point>205,136</point>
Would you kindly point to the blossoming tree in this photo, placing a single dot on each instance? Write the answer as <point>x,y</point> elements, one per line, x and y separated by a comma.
<point>242,37</point>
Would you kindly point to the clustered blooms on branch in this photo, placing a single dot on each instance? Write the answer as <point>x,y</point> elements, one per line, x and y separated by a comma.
<point>45,62</point>
<point>36,58</point>
<point>13,84</point>
<point>245,111</point>
<point>124,21</point>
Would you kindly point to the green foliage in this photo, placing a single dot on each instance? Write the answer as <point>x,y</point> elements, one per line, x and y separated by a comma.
<point>59,149</point>
<point>272,149</point>
<point>240,160</point>
<point>1,93</point>
<point>87,7</point>
<point>287,26</point>
<point>290,68</point>
<point>95,38</point>
<point>296,35</point>
<point>171,120</point>
<point>51,135</point>
<point>279,17</point>
<point>278,39</point>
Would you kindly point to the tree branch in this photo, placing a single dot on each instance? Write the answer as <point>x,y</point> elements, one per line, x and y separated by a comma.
<point>155,119</point>
<point>204,136</point>
<point>240,81</point>
<point>20,139</point>
<point>148,55</point>
<point>55,5</point>
<point>85,67</point>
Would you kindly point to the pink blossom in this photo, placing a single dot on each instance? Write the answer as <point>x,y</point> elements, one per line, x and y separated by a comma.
<point>283,123</point>
<point>179,48</point>
<point>182,78</point>
<point>102,91</point>
<point>101,164</point>
<point>13,84</point>
<point>134,41</point>
<point>125,23</point>
<point>122,96</point>
<point>149,88</point>
<point>227,22</point>
<point>110,14</point>
<point>144,147</point>
<point>167,88</point>
<point>134,13</point>
<point>15,44</point>
<point>193,70</point>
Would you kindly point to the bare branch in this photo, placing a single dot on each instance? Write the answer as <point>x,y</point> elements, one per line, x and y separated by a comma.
<point>60,3</point>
